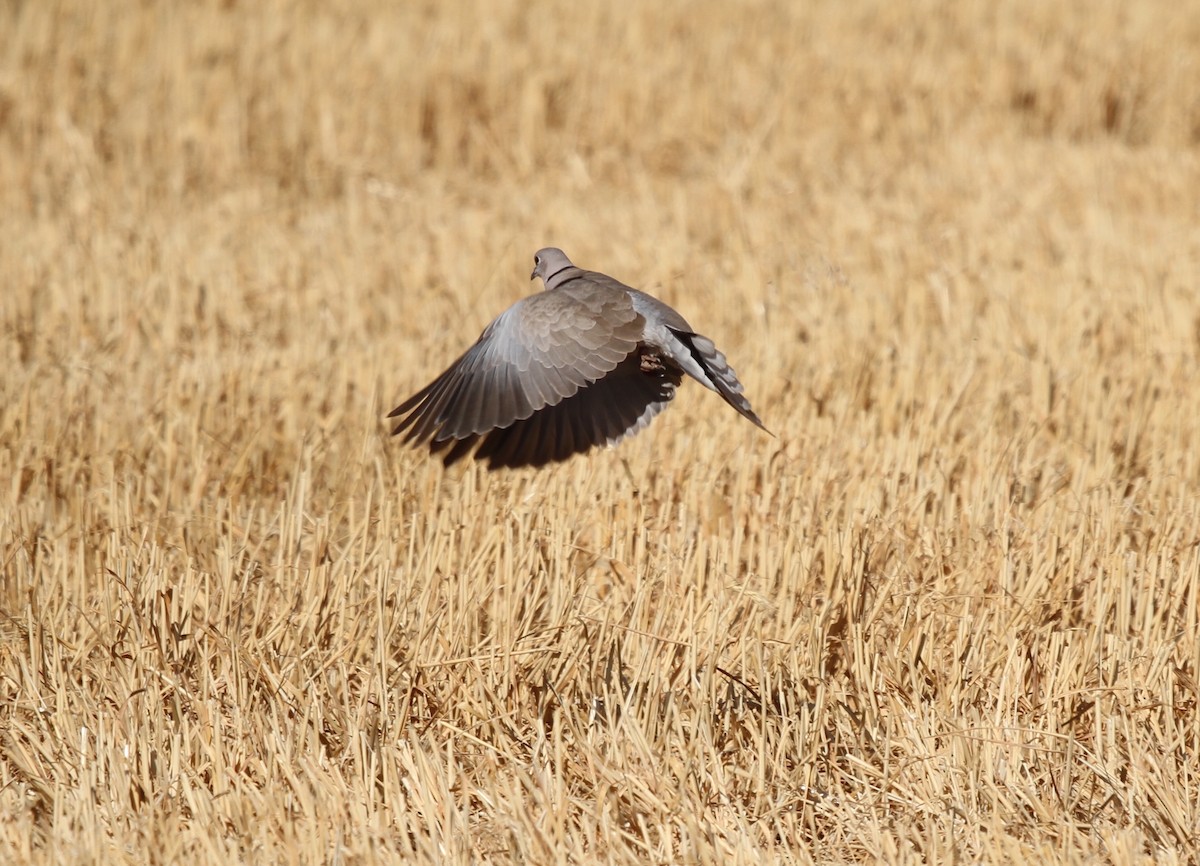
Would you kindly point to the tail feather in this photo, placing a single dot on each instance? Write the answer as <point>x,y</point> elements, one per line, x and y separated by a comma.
<point>721,377</point>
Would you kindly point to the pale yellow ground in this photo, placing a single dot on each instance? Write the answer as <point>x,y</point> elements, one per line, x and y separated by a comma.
<point>949,614</point>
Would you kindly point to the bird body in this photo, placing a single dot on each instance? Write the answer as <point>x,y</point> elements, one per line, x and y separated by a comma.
<point>588,361</point>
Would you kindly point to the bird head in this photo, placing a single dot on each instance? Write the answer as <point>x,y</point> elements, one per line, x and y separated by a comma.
<point>548,262</point>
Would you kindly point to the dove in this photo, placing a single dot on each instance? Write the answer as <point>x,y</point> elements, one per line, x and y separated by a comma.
<point>588,361</point>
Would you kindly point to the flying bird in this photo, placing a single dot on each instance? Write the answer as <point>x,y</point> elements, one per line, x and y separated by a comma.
<point>588,361</point>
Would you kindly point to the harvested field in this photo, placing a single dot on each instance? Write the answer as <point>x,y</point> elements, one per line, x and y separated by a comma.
<point>948,614</point>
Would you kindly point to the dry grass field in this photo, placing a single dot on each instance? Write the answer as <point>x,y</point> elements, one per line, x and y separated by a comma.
<point>949,614</point>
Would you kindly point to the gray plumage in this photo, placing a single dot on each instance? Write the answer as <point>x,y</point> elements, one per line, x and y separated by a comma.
<point>586,362</point>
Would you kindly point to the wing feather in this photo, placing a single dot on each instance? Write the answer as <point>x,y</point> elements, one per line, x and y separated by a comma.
<point>603,413</point>
<point>539,352</point>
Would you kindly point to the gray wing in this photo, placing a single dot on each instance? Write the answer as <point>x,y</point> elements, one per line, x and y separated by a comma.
<point>531,382</point>
<point>608,410</point>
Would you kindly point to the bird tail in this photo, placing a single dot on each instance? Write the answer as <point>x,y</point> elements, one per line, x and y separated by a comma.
<point>720,376</point>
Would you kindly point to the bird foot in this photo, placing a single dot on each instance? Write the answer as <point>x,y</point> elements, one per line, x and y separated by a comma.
<point>651,361</point>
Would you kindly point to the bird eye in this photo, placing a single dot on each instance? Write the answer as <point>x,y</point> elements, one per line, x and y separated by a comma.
<point>537,260</point>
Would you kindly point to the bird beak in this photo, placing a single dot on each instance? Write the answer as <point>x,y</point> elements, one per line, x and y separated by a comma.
<point>533,276</point>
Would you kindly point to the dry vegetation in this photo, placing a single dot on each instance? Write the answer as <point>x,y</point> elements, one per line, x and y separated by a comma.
<point>949,614</point>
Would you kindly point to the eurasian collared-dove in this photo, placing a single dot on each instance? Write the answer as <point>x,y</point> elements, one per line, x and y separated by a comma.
<point>587,361</point>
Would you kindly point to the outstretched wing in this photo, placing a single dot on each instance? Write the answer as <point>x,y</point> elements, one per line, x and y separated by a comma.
<point>618,405</point>
<point>538,353</point>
